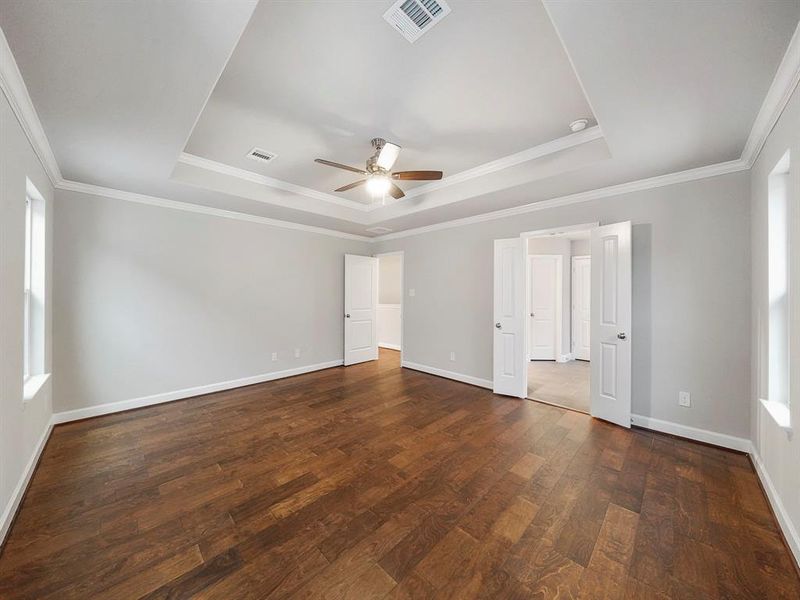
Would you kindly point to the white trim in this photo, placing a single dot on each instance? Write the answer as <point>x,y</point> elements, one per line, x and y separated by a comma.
<point>10,510</point>
<point>96,190</point>
<point>783,84</point>
<point>15,90</point>
<point>731,166</point>
<point>114,407</point>
<point>33,385</point>
<point>693,433</point>
<point>484,383</point>
<point>784,521</point>
<point>557,145</point>
<point>389,346</point>
<point>222,168</point>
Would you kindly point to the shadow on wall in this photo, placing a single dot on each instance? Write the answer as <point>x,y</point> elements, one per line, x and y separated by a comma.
<point>641,350</point>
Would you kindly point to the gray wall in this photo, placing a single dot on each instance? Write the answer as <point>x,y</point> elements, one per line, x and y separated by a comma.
<point>21,426</point>
<point>389,279</point>
<point>152,300</point>
<point>691,295</point>
<point>779,451</point>
<point>581,248</point>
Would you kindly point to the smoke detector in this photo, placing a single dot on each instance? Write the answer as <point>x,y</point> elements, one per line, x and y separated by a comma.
<point>578,125</point>
<point>413,18</point>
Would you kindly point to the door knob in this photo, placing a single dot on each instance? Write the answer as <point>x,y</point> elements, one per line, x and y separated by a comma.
<point>498,325</point>
<point>347,316</point>
<point>533,314</point>
<point>622,335</point>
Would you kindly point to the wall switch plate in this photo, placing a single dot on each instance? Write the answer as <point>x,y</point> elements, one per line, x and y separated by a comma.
<point>274,356</point>
<point>684,399</point>
<point>412,292</point>
<point>297,352</point>
<point>453,356</point>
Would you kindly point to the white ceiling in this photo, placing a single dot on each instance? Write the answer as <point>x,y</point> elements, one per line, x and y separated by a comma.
<point>318,79</point>
<point>119,86</point>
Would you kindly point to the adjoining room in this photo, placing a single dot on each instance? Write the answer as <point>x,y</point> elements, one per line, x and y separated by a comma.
<point>559,280</point>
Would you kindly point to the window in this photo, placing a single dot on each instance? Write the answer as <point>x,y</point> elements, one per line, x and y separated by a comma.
<point>26,358</point>
<point>33,316</point>
<point>778,219</point>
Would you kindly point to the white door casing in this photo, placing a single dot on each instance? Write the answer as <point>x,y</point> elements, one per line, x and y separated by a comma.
<point>611,323</point>
<point>543,318</point>
<point>360,308</point>
<point>581,306</point>
<point>510,364</point>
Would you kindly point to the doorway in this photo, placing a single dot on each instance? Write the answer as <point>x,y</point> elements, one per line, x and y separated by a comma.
<point>390,301</point>
<point>600,385</point>
<point>559,319</point>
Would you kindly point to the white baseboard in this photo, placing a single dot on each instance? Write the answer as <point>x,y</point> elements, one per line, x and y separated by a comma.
<point>785,523</point>
<point>484,383</point>
<point>19,491</point>
<point>389,346</point>
<point>693,433</point>
<point>113,407</point>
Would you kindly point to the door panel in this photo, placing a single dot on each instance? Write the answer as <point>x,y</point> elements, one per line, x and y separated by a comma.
<point>510,377</point>
<point>361,308</point>
<point>544,307</point>
<point>581,306</point>
<point>611,323</point>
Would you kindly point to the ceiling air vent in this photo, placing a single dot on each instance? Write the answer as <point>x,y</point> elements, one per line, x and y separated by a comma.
<point>261,155</point>
<point>412,18</point>
<point>378,229</point>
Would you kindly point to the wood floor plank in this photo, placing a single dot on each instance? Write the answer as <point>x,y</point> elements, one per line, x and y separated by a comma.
<point>374,481</point>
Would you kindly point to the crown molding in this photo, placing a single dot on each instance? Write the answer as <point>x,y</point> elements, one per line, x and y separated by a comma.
<point>563,143</point>
<point>783,85</point>
<point>715,170</point>
<point>104,192</point>
<point>16,92</point>
<point>222,168</point>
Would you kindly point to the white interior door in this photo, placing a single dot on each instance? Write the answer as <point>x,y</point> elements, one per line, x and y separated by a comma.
<point>510,364</point>
<point>581,306</point>
<point>611,323</point>
<point>360,308</point>
<point>543,308</point>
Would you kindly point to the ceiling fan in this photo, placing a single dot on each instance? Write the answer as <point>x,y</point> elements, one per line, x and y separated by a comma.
<point>379,176</point>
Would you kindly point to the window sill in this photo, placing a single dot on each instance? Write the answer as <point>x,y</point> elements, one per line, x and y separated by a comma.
<point>779,413</point>
<point>33,385</point>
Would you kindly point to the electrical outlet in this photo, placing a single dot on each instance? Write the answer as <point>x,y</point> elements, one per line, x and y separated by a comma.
<point>412,292</point>
<point>453,356</point>
<point>297,352</point>
<point>274,356</point>
<point>684,399</point>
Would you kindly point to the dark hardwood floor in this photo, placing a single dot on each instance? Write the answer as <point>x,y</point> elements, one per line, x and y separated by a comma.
<point>377,482</point>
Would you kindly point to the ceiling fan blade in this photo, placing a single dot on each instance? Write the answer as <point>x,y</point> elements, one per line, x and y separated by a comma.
<point>350,186</point>
<point>417,175</point>
<point>322,161</point>
<point>388,155</point>
<point>396,192</point>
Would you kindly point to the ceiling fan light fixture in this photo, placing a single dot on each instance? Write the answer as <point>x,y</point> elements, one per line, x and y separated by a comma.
<point>387,156</point>
<point>378,185</point>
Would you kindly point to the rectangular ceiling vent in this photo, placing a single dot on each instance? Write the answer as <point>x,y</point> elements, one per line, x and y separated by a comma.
<point>261,155</point>
<point>378,229</point>
<point>412,18</point>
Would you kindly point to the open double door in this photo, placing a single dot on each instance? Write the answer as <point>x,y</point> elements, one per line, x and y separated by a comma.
<point>610,321</point>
